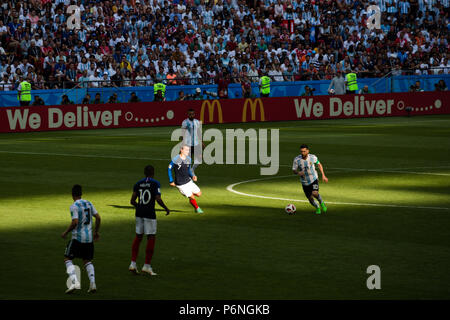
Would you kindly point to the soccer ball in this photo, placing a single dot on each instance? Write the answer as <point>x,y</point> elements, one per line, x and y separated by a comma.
<point>290,209</point>
<point>331,91</point>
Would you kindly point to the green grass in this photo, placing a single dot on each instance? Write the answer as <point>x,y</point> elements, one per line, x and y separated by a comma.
<point>242,247</point>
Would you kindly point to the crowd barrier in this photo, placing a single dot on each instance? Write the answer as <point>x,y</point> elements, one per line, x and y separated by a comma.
<point>150,114</point>
<point>278,89</point>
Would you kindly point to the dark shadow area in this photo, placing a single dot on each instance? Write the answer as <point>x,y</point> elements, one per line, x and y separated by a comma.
<point>228,253</point>
<point>132,208</point>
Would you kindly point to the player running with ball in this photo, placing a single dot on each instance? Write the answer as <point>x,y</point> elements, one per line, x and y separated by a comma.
<point>185,177</point>
<point>304,166</point>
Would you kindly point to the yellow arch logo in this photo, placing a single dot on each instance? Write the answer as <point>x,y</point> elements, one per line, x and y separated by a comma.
<point>211,110</point>
<point>253,104</point>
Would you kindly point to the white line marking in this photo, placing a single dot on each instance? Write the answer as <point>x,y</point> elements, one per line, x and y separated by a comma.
<point>281,165</point>
<point>82,155</point>
<point>231,186</point>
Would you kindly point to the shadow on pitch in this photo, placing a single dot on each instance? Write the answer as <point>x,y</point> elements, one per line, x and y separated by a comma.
<point>132,208</point>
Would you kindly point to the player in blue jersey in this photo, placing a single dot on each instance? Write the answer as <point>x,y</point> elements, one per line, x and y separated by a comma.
<point>185,177</point>
<point>304,166</point>
<point>82,243</point>
<point>147,190</point>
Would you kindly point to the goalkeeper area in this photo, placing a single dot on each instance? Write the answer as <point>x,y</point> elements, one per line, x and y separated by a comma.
<point>387,196</point>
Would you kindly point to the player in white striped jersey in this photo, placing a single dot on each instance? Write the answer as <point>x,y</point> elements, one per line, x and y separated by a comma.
<point>82,243</point>
<point>192,135</point>
<point>305,166</point>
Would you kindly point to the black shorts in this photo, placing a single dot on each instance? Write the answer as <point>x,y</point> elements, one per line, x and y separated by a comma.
<point>308,190</point>
<point>77,249</point>
<point>265,95</point>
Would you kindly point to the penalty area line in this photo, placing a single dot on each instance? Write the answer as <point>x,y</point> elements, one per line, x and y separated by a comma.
<point>230,188</point>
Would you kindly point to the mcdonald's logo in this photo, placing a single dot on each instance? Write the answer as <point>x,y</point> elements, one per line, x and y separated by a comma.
<point>253,105</point>
<point>211,110</point>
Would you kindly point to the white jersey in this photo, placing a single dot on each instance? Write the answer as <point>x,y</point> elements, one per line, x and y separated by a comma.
<point>308,167</point>
<point>83,210</point>
<point>193,130</point>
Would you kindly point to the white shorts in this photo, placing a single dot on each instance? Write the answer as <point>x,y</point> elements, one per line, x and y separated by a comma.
<point>188,189</point>
<point>145,226</point>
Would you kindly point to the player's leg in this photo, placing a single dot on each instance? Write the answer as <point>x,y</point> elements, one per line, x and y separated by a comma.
<point>150,231</point>
<point>196,156</point>
<point>308,190</point>
<point>196,192</point>
<point>136,243</point>
<point>87,254</point>
<point>69,255</point>
<point>317,196</point>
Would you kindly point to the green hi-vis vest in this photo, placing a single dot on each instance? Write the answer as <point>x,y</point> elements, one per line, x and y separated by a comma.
<point>351,82</point>
<point>265,85</point>
<point>25,92</point>
<point>159,86</point>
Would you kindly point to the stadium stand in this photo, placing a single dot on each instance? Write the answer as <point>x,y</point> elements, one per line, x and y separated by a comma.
<point>197,42</point>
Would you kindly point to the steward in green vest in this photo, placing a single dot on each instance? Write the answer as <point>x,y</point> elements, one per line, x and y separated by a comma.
<point>24,93</point>
<point>352,83</point>
<point>159,91</point>
<point>264,86</point>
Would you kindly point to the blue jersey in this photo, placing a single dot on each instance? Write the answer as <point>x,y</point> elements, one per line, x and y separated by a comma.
<point>82,210</point>
<point>147,189</point>
<point>182,169</point>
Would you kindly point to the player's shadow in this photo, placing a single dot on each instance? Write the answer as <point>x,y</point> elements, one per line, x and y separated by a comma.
<point>132,208</point>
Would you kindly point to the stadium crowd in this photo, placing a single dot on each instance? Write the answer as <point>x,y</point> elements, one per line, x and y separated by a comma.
<point>142,42</point>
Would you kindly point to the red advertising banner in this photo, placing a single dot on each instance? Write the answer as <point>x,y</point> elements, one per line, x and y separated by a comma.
<point>150,114</point>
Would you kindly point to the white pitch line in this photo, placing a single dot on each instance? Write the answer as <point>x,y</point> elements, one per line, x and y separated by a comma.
<point>231,186</point>
<point>281,165</point>
<point>82,155</point>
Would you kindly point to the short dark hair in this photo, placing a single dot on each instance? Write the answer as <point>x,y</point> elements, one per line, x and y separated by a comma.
<point>149,171</point>
<point>304,146</point>
<point>76,190</point>
<point>191,110</point>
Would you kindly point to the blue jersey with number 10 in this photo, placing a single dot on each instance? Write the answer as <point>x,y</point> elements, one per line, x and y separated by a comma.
<point>147,189</point>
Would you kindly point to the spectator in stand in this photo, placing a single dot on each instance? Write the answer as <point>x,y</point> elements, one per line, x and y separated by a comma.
<point>65,100</point>
<point>134,98</point>
<point>365,90</point>
<point>38,101</point>
<point>113,98</point>
<point>97,99</point>
<point>86,99</point>
<point>156,36</point>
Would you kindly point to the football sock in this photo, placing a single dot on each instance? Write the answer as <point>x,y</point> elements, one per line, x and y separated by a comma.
<point>71,271</point>
<point>135,248</point>
<point>90,271</point>
<point>313,203</point>
<point>149,250</point>
<point>194,203</point>
<point>320,199</point>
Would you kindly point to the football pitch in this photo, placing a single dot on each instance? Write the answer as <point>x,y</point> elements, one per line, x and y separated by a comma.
<point>387,196</point>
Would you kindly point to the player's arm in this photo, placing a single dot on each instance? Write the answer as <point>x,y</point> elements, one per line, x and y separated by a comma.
<point>183,131</point>
<point>161,203</point>
<point>169,173</point>
<point>296,171</point>
<point>72,226</point>
<point>97,226</point>
<point>133,199</point>
<point>324,178</point>
<point>191,174</point>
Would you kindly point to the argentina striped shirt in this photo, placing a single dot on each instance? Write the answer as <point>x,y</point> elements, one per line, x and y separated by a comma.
<point>308,166</point>
<point>83,210</point>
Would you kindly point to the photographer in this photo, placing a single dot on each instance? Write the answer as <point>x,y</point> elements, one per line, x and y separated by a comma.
<point>308,91</point>
<point>38,101</point>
